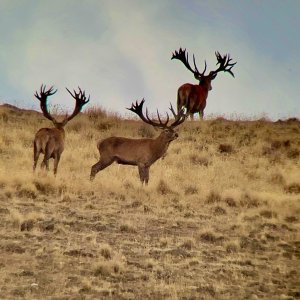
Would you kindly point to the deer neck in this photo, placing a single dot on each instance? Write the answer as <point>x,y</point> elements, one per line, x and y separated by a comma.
<point>205,85</point>
<point>161,144</point>
<point>61,130</point>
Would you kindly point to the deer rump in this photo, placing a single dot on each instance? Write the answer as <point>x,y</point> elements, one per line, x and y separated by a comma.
<point>126,151</point>
<point>192,97</point>
<point>48,140</point>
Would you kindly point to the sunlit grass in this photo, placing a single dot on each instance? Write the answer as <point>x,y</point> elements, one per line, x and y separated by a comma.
<point>220,207</point>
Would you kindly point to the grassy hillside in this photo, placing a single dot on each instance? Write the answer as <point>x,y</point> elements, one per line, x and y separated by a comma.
<point>218,220</point>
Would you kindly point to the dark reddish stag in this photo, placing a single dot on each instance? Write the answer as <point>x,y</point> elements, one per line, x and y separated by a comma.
<point>138,152</point>
<point>193,96</point>
<point>50,141</point>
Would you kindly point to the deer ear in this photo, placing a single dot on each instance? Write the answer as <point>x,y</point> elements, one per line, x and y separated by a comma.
<point>197,76</point>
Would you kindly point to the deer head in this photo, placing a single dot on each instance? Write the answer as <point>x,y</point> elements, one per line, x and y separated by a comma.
<point>168,130</point>
<point>224,62</point>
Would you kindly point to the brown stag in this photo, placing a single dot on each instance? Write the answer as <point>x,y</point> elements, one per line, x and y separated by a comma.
<point>192,96</point>
<point>138,152</point>
<point>50,141</point>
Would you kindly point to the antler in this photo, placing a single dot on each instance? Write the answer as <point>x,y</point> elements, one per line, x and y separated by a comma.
<point>138,109</point>
<point>42,96</point>
<point>225,63</point>
<point>179,118</point>
<point>81,100</point>
<point>184,58</point>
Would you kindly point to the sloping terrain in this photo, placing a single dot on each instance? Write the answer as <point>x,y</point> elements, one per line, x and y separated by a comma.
<point>218,220</point>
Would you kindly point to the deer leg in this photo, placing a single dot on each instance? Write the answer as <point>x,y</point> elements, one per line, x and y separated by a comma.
<point>45,162</point>
<point>201,114</point>
<point>100,165</point>
<point>36,154</point>
<point>192,116</point>
<point>56,161</point>
<point>144,174</point>
<point>146,178</point>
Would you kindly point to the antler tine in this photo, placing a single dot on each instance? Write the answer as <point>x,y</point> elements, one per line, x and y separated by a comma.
<point>205,65</point>
<point>180,117</point>
<point>183,56</point>
<point>172,110</point>
<point>70,92</point>
<point>80,99</point>
<point>160,121</point>
<point>224,63</point>
<point>138,109</point>
<point>44,93</point>
<point>196,69</point>
<point>42,96</point>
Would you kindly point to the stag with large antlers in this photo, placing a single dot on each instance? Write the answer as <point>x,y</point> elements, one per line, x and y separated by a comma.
<point>138,152</point>
<point>192,96</point>
<point>50,141</point>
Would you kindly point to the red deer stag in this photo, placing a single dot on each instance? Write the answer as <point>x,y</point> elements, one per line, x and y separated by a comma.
<point>192,96</point>
<point>138,152</point>
<point>50,141</point>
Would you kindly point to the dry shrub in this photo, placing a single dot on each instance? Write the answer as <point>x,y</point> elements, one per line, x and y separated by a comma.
<point>206,289</point>
<point>293,188</point>
<point>188,244</point>
<point>16,218</point>
<point>280,144</point>
<point>225,148</point>
<point>163,242</point>
<point>127,228</point>
<point>4,117</point>
<point>150,263</point>
<point>104,125</point>
<point>291,219</point>
<point>25,222</point>
<point>268,214</point>
<point>27,190</point>
<point>210,237</point>
<point>163,189</point>
<point>44,186</point>
<point>218,210</point>
<point>231,247</point>
<point>277,178</point>
<point>213,197</point>
<point>199,160</point>
<point>27,225</point>
<point>106,251</point>
<point>108,268</point>
<point>251,244</point>
<point>190,190</point>
<point>293,153</point>
<point>146,131</point>
<point>230,202</point>
<point>95,113</point>
<point>249,201</point>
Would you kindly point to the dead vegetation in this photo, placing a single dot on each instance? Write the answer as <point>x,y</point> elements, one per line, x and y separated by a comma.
<point>211,224</point>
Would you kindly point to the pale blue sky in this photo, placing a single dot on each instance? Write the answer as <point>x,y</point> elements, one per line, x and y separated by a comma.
<point>120,51</point>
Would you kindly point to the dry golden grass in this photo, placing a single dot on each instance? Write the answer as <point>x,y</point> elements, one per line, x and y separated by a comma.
<point>218,220</point>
